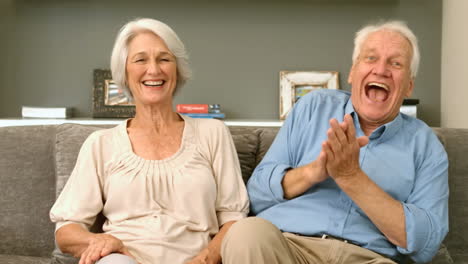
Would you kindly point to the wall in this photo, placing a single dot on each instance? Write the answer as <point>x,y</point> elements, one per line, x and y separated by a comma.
<point>454,64</point>
<point>7,66</point>
<point>237,48</point>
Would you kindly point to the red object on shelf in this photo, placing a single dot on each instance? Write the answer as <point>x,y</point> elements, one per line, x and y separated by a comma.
<point>192,108</point>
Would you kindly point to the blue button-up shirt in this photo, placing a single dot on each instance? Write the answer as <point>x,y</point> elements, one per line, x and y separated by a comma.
<point>403,157</point>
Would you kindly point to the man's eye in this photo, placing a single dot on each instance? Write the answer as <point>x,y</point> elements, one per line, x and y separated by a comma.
<point>139,60</point>
<point>396,64</point>
<point>371,58</point>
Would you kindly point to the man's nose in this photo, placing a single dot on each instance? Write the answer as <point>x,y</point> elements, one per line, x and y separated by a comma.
<point>381,68</point>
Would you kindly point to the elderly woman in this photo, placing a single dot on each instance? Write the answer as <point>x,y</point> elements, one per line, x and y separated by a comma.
<point>169,186</point>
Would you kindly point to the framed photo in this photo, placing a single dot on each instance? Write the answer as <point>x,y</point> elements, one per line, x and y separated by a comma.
<point>108,99</point>
<point>295,84</point>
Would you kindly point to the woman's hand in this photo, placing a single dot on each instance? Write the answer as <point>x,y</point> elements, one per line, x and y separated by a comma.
<point>212,253</point>
<point>101,245</point>
<point>206,256</point>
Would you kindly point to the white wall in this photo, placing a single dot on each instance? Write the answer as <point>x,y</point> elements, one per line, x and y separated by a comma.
<point>454,78</point>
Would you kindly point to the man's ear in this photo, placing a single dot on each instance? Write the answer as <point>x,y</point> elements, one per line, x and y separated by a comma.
<point>409,91</point>
<point>350,75</point>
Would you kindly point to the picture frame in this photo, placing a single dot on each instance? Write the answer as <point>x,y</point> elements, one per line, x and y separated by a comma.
<point>108,100</point>
<point>295,84</point>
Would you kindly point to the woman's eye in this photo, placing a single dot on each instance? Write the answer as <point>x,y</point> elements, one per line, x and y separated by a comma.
<point>139,60</point>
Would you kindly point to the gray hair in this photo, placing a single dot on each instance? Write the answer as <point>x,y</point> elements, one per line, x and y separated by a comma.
<point>132,29</point>
<point>396,26</point>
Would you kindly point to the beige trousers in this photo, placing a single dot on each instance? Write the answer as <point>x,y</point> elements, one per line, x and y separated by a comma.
<point>255,241</point>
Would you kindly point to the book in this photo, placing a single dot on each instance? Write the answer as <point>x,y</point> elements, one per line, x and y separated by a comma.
<point>45,112</point>
<point>207,115</point>
<point>198,108</point>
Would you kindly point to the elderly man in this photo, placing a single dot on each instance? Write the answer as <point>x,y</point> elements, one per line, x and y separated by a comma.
<point>349,179</point>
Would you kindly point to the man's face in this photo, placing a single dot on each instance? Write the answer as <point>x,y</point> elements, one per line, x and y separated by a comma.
<point>381,77</point>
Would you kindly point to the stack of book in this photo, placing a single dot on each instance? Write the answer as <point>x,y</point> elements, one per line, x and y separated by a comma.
<point>45,112</point>
<point>201,110</point>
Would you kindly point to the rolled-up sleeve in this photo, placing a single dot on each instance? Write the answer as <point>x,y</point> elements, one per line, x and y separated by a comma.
<point>426,211</point>
<point>265,186</point>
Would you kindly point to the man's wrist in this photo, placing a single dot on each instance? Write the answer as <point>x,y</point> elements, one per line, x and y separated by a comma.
<point>311,174</point>
<point>351,181</point>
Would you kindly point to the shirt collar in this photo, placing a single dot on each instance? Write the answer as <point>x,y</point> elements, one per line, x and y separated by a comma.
<point>383,132</point>
<point>391,128</point>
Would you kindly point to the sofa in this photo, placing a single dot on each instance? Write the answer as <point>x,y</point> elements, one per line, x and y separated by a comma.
<point>35,162</point>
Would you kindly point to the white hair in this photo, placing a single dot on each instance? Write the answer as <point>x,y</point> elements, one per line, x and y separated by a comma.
<point>132,29</point>
<point>396,26</point>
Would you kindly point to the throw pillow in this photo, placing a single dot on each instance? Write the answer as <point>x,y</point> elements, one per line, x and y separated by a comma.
<point>246,142</point>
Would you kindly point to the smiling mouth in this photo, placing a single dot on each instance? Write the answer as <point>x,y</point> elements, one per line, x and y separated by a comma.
<point>377,92</point>
<point>153,83</point>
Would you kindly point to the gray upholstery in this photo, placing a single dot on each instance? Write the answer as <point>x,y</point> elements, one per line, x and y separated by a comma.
<point>456,145</point>
<point>15,259</point>
<point>27,187</point>
<point>246,146</point>
<point>35,162</point>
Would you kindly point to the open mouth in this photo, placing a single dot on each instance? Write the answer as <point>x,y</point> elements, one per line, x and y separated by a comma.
<point>377,92</point>
<point>153,83</point>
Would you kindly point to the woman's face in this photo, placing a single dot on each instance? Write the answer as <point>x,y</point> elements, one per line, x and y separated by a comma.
<point>151,70</point>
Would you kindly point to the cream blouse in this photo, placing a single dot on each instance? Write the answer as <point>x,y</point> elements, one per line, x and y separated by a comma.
<point>164,211</point>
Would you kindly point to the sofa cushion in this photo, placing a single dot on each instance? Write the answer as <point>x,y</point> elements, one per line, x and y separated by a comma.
<point>60,258</point>
<point>246,142</point>
<point>266,136</point>
<point>15,259</point>
<point>457,148</point>
<point>442,256</point>
<point>27,190</point>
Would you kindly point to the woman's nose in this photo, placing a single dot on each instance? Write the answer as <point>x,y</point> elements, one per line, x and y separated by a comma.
<point>153,68</point>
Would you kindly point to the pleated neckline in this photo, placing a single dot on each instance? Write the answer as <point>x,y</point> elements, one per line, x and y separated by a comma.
<point>175,160</point>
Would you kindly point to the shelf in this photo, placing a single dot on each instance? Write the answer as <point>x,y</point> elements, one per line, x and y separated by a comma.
<point>407,109</point>
<point>100,121</point>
